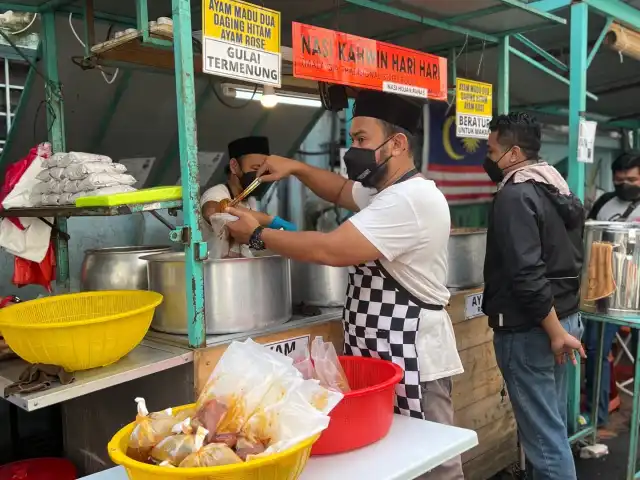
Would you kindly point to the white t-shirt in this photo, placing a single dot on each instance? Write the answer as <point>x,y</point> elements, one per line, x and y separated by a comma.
<point>215,194</point>
<point>409,223</point>
<point>614,208</point>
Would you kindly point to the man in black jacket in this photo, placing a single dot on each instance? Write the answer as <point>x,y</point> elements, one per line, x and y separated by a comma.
<point>531,272</point>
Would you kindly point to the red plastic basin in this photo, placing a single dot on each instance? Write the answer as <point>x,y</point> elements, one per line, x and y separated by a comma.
<point>39,469</point>
<point>365,414</point>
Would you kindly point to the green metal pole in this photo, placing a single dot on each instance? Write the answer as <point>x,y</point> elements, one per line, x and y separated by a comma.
<point>597,382</point>
<point>55,121</point>
<point>577,92</point>
<point>503,76</point>
<point>142,18</point>
<point>195,248</point>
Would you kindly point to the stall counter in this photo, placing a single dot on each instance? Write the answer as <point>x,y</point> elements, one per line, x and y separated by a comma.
<point>158,352</point>
<point>411,448</point>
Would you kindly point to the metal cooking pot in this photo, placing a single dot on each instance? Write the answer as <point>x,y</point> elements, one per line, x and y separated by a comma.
<point>118,268</point>
<point>240,294</point>
<point>466,250</point>
<point>318,285</point>
<point>625,237</point>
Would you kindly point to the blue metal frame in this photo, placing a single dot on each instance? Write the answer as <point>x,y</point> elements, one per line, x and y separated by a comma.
<point>622,12</point>
<point>379,7</point>
<point>546,70</point>
<point>57,137</point>
<point>529,8</point>
<point>195,249</point>
<point>577,92</point>
<point>599,41</point>
<point>503,76</point>
<point>542,52</point>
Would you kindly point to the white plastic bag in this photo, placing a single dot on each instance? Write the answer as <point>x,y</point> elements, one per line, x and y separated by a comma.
<point>94,181</point>
<point>302,361</point>
<point>243,376</point>
<point>268,400</point>
<point>66,159</point>
<point>221,245</point>
<point>66,199</point>
<point>50,199</point>
<point>55,173</point>
<point>78,171</point>
<point>42,187</point>
<point>327,366</point>
<point>105,191</point>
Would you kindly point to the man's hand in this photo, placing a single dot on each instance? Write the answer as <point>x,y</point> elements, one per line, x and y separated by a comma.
<point>566,345</point>
<point>242,229</point>
<point>275,167</point>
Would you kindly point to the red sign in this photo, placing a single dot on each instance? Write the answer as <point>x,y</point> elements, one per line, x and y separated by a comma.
<point>335,57</point>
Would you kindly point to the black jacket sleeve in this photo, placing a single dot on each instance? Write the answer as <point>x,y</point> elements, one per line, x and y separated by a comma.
<point>599,203</point>
<point>515,217</point>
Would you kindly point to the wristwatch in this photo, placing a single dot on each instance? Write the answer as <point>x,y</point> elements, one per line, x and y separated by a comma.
<point>255,241</point>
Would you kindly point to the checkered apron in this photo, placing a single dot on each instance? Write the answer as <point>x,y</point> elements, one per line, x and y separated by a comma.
<point>381,320</point>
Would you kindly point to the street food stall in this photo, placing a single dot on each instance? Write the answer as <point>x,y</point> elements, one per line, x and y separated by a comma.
<point>199,317</point>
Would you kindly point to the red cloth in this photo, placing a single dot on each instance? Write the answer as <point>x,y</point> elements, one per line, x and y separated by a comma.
<point>26,272</point>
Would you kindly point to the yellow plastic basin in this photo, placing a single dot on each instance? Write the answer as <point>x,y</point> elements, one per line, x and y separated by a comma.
<point>79,331</point>
<point>287,465</point>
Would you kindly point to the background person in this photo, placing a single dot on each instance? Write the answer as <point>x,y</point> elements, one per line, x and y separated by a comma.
<point>621,205</point>
<point>532,289</point>
<point>246,156</point>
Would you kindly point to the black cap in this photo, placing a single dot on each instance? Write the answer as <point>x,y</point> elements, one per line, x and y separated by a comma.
<point>248,145</point>
<point>393,109</point>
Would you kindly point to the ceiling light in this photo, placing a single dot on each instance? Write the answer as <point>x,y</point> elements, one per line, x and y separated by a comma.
<point>246,93</point>
<point>269,99</point>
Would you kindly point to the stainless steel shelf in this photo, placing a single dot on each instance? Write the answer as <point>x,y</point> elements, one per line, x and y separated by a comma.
<point>71,211</point>
<point>214,340</point>
<point>147,358</point>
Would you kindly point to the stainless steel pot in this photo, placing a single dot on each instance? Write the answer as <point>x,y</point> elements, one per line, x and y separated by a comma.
<point>318,285</point>
<point>467,247</point>
<point>625,237</point>
<point>118,268</point>
<point>241,294</point>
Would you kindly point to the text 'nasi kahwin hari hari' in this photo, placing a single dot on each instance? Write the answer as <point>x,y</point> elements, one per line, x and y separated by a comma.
<point>336,57</point>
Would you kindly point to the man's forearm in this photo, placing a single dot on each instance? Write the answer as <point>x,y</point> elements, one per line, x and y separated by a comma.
<point>327,185</point>
<point>551,324</point>
<point>301,246</point>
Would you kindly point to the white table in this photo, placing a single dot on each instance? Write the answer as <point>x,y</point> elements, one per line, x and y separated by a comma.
<point>411,448</point>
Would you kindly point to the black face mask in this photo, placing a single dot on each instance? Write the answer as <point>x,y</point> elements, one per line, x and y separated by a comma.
<point>247,179</point>
<point>627,192</point>
<point>493,170</point>
<point>362,166</point>
<point>496,174</point>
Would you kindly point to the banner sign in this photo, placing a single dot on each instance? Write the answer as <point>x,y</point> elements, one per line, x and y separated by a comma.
<point>241,41</point>
<point>474,107</point>
<point>335,57</point>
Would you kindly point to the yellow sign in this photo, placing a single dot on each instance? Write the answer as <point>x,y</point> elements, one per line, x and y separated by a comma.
<point>243,23</point>
<point>474,106</point>
<point>241,40</point>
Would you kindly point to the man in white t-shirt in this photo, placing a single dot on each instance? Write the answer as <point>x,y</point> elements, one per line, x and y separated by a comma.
<point>396,249</point>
